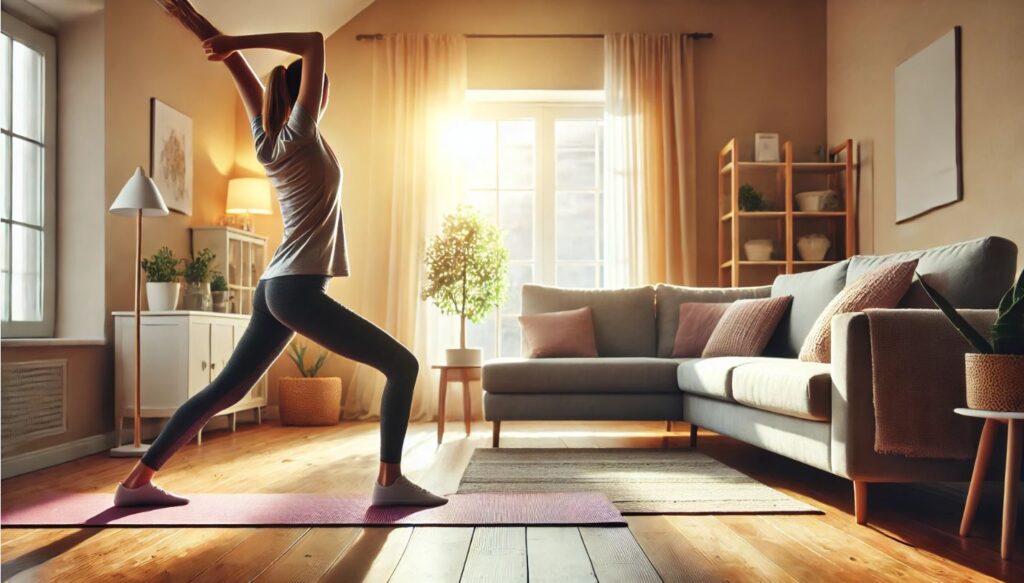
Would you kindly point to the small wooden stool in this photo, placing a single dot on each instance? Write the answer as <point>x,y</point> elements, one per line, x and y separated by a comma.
<point>450,374</point>
<point>1015,437</point>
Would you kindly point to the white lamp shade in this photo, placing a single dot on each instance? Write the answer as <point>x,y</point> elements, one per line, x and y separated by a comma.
<point>248,196</point>
<point>139,194</point>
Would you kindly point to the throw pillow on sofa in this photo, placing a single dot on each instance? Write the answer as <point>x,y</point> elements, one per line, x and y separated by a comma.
<point>882,288</point>
<point>746,327</point>
<point>560,334</point>
<point>697,321</point>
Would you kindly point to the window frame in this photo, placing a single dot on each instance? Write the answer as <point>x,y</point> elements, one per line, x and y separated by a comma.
<point>45,45</point>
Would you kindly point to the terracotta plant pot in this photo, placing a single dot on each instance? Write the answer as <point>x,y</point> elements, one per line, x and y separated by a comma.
<point>309,400</point>
<point>995,382</point>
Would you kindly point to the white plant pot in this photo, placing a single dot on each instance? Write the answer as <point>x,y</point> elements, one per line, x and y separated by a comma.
<point>759,249</point>
<point>463,356</point>
<point>817,200</point>
<point>162,296</point>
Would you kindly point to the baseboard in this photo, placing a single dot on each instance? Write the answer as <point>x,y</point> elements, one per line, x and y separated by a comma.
<point>50,456</point>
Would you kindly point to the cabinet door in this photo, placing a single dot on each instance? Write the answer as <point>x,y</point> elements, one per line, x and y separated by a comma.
<point>198,356</point>
<point>221,346</point>
<point>163,358</point>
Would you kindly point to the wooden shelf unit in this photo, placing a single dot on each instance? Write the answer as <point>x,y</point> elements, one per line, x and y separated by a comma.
<point>241,256</point>
<point>838,171</point>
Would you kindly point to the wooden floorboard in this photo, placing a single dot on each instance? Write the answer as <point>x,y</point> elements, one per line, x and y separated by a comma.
<point>912,536</point>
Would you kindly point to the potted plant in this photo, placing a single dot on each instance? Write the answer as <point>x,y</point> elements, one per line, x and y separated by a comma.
<point>467,264</point>
<point>309,399</point>
<point>162,284</point>
<point>751,200</point>
<point>197,277</point>
<point>220,293</point>
<point>995,373</point>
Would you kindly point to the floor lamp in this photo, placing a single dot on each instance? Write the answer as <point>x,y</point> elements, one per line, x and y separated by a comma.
<point>139,198</point>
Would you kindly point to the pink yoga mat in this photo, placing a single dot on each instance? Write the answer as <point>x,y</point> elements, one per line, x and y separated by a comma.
<point>70,510</point>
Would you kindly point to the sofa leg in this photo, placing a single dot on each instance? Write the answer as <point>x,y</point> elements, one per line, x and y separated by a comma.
<point>495,433</point>
<point>668,427</point>
<point>693,435</point>
<point>860,501</point>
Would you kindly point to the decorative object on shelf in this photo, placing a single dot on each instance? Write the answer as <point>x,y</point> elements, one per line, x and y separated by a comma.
<point>170,155</point>
<point>766,147</point>
<point>309,399</point>
<point>198,273</point>
<point>995,373</point>
<point>813,247</point>
<point>759,249</point>
<point>239,255</point>
<point>162,285</point>
<point>467,267</point>
<point>818,200</point>
<point>219,291</point>
<point>929,158</point>
<point>247,197</point>
<point>140,197</point>
<point>751,200</point>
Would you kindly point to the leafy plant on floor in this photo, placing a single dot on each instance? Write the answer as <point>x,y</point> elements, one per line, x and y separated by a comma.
<point>198,270</point>
<point>1008,329</point>
<point>297,352</point>
<point>218,283</point>
<point>162,267</point>
<point>751,200</point>
<point>467,268</point>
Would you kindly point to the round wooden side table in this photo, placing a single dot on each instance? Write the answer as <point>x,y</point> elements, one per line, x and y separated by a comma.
<point>1011,481</point>
<point>451,374</point>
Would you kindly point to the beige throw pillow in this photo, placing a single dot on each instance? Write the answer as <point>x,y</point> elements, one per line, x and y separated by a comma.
<point>882,288</point>
<point>560,334</point>
<point>746,327</point>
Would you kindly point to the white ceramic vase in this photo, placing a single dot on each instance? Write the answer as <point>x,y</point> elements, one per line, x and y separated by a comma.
<point>813,247</point>
<point>162,296</point>
<point>759,249</point>
<point>463,356</point>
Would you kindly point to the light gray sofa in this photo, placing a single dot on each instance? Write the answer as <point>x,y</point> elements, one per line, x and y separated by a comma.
<point>818,414</point>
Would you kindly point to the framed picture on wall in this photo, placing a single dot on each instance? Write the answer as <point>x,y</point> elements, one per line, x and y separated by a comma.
<point>766,147</point>
<point>170,155</point>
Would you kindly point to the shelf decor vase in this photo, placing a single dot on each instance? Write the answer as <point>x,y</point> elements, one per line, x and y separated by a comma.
<point>995,382</point>
<point>220,301</point>
<point>813,247</point>
<point>198,297</point>
<point>309,400</point>
<point>463,356</point>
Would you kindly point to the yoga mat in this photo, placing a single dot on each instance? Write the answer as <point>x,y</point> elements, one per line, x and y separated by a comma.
<point>525,509</point>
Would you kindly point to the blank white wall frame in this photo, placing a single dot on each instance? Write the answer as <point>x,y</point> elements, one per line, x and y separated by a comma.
<point>928,153</point>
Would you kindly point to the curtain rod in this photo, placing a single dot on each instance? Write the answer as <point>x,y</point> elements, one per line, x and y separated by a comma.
<point>693,35</point>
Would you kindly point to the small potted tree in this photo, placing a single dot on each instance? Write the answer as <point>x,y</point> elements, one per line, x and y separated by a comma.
<point>308,399</point>
<point>467,265</point>
<point>162,286</point>
<point>198,273</point>
<point>220,293</point>
<point>995,373</point>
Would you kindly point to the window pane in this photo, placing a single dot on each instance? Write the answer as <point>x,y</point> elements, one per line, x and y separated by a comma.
<point>575,133</point>
<point>28,92</point>
<point>517,223</point>
<point>518,274</point>
<point>27,269</point>
<point>5,89</point>
<point>511,337</point>
<point>575,170</point>
<point>5,271</point>
<point>576,225</point>
<point>5,187</point>
<point>518,132</point>
<point>483,335</point>
<point>485,201</point>
<point>516,155</point>
<point>570,275</point>
<point>481,157</point>
<point>27,182</point>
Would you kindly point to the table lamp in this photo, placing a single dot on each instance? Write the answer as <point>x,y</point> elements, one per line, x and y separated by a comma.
<point>247,197</point>
<point>139,198</point>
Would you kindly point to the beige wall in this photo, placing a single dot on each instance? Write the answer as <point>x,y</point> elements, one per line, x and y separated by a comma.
<point>867,39</point>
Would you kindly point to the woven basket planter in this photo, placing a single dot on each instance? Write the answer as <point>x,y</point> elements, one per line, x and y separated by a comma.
<point>995,382</point>
<point>309,400</point>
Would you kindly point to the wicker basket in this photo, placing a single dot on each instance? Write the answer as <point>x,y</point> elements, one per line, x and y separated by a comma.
<point>309,400</point>
<point>995,382</point>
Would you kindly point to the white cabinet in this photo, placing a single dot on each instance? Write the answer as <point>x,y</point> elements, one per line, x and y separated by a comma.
<point>181,353</point>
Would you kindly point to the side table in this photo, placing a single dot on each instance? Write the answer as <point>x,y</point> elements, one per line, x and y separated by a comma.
<point>450,374</point>
<point>1011,481</point>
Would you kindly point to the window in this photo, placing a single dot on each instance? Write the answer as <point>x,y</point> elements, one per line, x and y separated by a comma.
<point>27,173</point>
<point>535,169</point>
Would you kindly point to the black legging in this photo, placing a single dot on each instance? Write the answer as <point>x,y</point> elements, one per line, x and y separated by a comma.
<point>281,306</point>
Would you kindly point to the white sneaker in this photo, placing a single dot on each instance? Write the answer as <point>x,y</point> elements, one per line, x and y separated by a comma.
<point>404,493</point>
<point>148,495</point>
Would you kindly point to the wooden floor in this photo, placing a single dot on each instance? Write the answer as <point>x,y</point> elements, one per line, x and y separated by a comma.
<point>912,536</point>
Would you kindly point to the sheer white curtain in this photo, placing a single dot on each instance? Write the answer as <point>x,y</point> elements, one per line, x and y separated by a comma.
<point>650,169</point>
<point>419,87</point>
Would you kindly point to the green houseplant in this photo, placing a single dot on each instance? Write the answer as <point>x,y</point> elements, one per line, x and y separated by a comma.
<point>995,372</point>
<point>219,291</point>
<point>750,200</point>
<point>308,399</point>
<point>467,266</point>
<point>162,286</point>
<point>198,272</point>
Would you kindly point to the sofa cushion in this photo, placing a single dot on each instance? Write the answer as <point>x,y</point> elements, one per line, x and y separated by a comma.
<point>560,334</point>
<point>623,318</point>
<point>786,386</point>
<point>971,274</point>
<point>581,375</point>
<point>697,322</point>
<point>710,377</point>
<point>670,296</point>
<point>811,291</point>
<point>746,327</point>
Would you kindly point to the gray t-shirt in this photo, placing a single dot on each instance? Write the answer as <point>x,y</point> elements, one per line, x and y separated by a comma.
<point>307,177</point>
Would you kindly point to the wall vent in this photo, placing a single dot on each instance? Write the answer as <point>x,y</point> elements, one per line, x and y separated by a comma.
<point>34,399</point>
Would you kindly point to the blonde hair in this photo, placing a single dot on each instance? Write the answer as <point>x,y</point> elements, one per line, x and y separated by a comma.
<point>277,103</point>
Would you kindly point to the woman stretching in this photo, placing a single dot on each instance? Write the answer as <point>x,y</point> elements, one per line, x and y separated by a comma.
<point>291,295</point>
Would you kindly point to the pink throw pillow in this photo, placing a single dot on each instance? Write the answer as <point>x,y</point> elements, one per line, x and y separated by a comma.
<point>881,288</point>
<point>746,327</point>
<point>560,334</point>
<point>696,323</point>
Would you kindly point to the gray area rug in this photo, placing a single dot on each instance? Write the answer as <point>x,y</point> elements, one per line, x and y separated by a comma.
<point>637,481</point>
